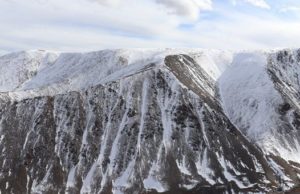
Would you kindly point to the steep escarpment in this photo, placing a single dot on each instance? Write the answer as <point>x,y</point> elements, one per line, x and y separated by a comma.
<point>283,68</point>
<point>154,122</point>
<point>259,92</point>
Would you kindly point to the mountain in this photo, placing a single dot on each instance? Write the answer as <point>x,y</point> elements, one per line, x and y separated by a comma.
<point>149,121</point>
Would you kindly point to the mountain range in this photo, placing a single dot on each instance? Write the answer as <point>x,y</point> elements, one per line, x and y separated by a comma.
<point>147,121</point>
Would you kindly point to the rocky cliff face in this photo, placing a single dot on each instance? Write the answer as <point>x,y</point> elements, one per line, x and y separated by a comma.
<point>167,121</point>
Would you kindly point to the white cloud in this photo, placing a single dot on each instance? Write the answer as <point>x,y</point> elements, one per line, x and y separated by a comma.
<point>238,33</point>
<point>2,52</point>
<point>82,25</point>
<point>290,9</point>
<point>108,2</point>
<point>74,25</point>
<point>188,8</point>
<point>258,3</point>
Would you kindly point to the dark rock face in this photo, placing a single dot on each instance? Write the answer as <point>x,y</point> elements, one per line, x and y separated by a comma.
<point>146,133</point>
<point>283,68</point>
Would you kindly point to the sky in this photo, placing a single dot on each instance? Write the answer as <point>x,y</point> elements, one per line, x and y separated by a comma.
<point>86,25</point>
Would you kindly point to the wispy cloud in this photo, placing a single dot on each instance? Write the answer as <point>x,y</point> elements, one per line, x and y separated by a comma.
<point>108,2</point>
<point>257,3</point>
<point>290,8</point>
<point>188,8</point>
<point>82,25</point>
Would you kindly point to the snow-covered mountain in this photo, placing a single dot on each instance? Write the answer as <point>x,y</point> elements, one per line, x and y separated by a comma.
<point>149,120</point>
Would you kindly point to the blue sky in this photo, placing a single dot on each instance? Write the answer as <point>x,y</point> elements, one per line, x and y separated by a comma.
<point>84,25</point>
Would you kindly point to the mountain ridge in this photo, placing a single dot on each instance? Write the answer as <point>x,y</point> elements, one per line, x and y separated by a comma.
<point>167,128</point>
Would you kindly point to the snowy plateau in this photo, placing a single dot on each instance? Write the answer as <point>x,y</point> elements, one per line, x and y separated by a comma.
<point>148,121</point>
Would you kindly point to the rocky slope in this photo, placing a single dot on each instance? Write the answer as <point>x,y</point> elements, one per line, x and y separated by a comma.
<point>148,121</point>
